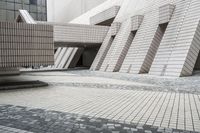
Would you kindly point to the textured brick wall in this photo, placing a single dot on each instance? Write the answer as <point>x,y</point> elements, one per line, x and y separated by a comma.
<point>102,52</point>
<point>179,48</point>
<point>136,22</point>
<point>65,58</point>
<point>119,48</point>
<point>105,46</point>
<point>105,15</point>
<point>74,33</point>
<point>26,45</point>
<point>144,46</point>
<point>59,58</point>
<point>115,28</point>
<point>165,13</point>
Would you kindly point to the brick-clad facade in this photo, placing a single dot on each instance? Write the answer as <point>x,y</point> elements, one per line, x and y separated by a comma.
<point>179,48</point>
<point>165,40</point>
<point>26,45</point>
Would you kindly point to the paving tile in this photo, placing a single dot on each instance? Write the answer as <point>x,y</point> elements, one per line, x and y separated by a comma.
<point>137,108</point>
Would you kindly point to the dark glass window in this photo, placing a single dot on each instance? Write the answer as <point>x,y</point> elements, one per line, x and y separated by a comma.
<point>33,2</point>
<point>2,5</point>
<point>9,9</point>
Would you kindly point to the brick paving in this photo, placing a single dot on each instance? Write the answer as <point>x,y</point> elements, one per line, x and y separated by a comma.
<point>115,100</point>
<point>18,119</point>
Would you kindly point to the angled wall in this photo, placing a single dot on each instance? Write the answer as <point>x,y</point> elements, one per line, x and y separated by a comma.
<point>25,17</point>
<point>119,48</point>
<point>144,46</point>
<point>105,46</point>
<point>85,19</point>
<point>179,48</point>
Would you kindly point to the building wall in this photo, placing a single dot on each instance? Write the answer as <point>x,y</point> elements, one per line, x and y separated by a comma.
<point>67,10</point>
<point>85,18</point>
<point>9,9</point>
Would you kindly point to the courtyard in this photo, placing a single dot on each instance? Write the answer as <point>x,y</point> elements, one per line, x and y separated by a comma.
<point>86,101</point>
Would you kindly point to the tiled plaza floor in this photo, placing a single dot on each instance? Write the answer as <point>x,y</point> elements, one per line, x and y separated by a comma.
<point>20,119</point>
<point>141,105</point>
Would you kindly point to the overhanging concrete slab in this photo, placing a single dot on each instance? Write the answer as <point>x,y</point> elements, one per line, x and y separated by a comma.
<point>74,35</point>
<point>105,15</point>
<point>77,35</point>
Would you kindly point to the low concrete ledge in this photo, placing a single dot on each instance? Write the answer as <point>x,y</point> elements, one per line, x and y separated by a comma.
<point>9,71</point>
<point>21,85</point>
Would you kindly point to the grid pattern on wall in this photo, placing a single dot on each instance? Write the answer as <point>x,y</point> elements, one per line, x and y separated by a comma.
<point>179,47</point>
<point>165,13</point>
<point>119,48</point>
<point>75,33</point>
<point>9,9</point>
<point>105,46</point>
<point>145,44</point>
<point>136,22</point>
<point>23,45</point>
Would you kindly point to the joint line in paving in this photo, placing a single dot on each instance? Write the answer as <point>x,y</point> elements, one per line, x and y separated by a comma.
<point>160,109</point>
<point>137,105</point>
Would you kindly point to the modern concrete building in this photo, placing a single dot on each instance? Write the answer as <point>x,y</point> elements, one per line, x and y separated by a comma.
<point>155,37</point>
<point>25,44</point>
<point>84,55</point>
<point>163,42</point>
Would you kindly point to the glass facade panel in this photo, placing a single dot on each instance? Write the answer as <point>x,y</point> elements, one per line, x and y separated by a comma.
<point>2,14</point>
<point>33,8</point>
<point>26,2</point>
<point>18,1</point>
<point>9,9</point>
<point>43,2</point>
<point>26,7</point>
<point>2,5</point>
<point>33,2</point>
<point>10,15</point>
<point>10,6</point>
<point>11,1</point>
<point>18,6</point>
